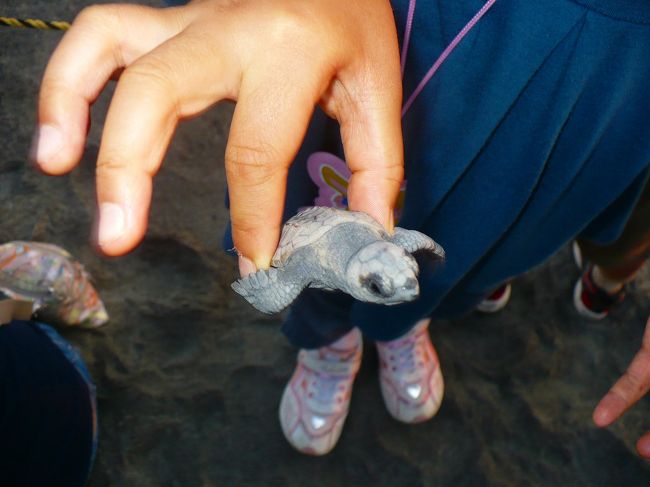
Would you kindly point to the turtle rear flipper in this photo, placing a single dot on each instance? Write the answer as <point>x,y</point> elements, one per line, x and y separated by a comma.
<point>268,290</point>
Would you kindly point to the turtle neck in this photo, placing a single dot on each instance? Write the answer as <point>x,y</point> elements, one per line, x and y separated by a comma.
<point>634,11</point>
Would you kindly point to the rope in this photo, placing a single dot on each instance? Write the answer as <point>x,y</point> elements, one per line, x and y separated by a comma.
<point>34,23</point>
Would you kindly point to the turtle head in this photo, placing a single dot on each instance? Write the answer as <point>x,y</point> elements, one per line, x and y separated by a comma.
<point>382,273</point>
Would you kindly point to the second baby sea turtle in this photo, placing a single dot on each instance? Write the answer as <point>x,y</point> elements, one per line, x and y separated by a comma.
<point>336,249</point>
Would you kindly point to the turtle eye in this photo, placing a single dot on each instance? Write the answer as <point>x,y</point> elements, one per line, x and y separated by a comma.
<point>375,285</point>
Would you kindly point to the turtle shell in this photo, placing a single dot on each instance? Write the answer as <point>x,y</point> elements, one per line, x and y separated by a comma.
<point>59,286</point>
<point>311,224</point>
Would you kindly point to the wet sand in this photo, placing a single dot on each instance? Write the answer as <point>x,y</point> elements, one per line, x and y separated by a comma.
<point>190,377</point>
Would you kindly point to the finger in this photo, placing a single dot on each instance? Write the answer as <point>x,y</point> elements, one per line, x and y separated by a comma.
<point>631,387</point>
<point>100,41</point>
<point>152,95</point>
<point>259,153</point>
<point>368,107</point>
<point>643,446</point>
<point>373,148</point>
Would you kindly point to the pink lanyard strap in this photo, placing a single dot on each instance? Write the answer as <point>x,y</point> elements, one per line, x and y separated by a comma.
<point>452,45</point>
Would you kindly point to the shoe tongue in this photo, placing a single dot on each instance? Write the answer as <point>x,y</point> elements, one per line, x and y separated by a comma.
<point>332,355</point>
<point>333,364</point>
<point>406,358</point>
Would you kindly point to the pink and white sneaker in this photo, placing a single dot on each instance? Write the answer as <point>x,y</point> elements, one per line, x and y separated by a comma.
<point>316,400</point>
<point>410,376</point>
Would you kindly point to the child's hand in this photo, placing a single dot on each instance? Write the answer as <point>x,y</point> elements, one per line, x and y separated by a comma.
<point>277,58</point>
<point>631,387</point>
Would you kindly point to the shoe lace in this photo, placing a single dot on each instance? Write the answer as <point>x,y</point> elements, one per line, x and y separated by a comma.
<point>327,389</point>
<point>405,357</point>
<point>330,378</point>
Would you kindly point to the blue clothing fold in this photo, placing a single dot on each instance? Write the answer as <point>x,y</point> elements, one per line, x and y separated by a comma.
<point>533,131</point>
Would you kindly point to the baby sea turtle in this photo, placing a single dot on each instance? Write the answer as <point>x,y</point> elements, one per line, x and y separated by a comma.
<point>331,249</point>
<point>57,284</point>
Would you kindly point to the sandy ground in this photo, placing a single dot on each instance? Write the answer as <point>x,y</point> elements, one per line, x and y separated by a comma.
<point>190,377</point>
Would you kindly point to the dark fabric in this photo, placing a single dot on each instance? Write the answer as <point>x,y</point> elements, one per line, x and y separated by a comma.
<point>333,308</point>
<point>629,252</point>
<point>634,11</point>
<point>534,130</point>
<point>45,412</point>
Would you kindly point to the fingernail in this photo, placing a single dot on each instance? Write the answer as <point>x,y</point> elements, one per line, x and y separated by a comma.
<point>46,144</point>
<point>246,266</point>
<point>111,223</point>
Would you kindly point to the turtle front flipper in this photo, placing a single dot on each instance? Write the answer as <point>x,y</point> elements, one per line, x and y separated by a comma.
<point>269,291</point>
<point>413,241</point>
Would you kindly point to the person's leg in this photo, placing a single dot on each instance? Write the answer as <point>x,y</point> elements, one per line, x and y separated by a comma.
<point>609,267</point>
<point>47,410</point>
<point>318,318</point>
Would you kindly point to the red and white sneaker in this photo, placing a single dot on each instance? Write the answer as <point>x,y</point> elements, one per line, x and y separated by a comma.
<point>497,300</point>
<point>316,400</point>
<point>590,300</point>
<point>577,255</point>
<point>410,376</point>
